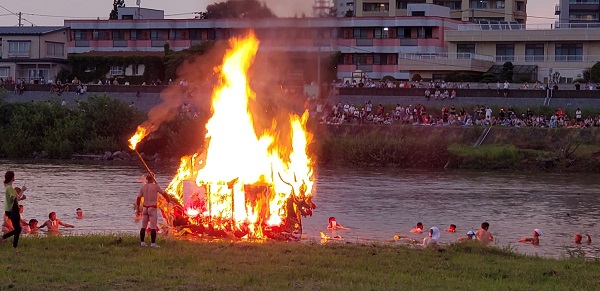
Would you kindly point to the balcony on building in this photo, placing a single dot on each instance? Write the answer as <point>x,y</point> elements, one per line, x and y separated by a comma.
<point>446,62</point>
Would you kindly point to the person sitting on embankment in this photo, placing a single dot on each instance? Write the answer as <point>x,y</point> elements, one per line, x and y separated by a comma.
<point>433,239</point>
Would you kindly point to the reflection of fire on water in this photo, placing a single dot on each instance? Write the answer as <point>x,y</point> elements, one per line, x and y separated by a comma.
<point>249,185</point>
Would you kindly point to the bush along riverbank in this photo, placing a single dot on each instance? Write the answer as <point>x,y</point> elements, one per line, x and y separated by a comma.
<point>97,126</point>
<point>113,262</point>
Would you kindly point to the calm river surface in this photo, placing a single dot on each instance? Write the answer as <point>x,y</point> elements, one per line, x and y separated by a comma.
<point>375,204</point>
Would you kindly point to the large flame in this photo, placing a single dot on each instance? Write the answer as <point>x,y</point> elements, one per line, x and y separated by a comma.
<point>252,181</point>
<point>140,133</point>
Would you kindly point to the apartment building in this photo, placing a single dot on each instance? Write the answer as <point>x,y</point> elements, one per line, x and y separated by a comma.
<point>370,44</point>
<point>578,12</point>
<point>540,53</point>
<point>464,10</point>
<point>32,53</point>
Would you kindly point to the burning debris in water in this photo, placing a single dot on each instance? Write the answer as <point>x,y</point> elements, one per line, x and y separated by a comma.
<point>244,183</point>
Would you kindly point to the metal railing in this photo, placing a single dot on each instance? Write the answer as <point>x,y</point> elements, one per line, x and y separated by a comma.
<point>504,27</point>
<point>447,56</point>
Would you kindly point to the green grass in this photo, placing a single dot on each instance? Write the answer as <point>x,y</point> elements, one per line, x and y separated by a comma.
<point>109,262</point>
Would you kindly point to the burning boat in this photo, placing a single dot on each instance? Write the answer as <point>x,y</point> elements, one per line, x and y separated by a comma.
<point>244,183</point>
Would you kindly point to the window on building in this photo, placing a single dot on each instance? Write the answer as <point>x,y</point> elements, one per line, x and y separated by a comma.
<point>534,52</point>
<point>360,59</point>
<point>80,35</point>
<point>569,52</point>
<point>135,70</point>
<point>133,35</point>
<point>195,34</point>
<point>117,71</point>
<point>156,34</point>
<point>101,34</point>
<point>118,34</point>
<point>465,50</point>
<point>505,52</point>
<point>4,72</point>
<point>584,16</point>
<point>425,32</point>
<point>453,5</point>
<point>142,34</point>
<point>55,49</point>
<point>211,34</point>
<point>521,6</point>
<point>477,4</point>
<point>382,32</point>
<point>177,34</point>
<point>499,4</point>
<point>376,7</point>
<point>0,48</point>
<point>361,33</point>
<point>18,48</point>
<point>385,59</point>
<point>403,32</point>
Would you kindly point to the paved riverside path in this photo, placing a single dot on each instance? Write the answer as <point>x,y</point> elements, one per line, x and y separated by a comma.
<point>148,100</point>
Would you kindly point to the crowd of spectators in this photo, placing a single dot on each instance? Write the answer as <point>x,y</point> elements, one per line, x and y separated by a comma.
<point>443,85</point>
<point>480,115</point>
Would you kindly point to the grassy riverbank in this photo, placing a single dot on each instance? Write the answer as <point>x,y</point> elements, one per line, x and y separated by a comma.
<point>105,262</point>
<point>427,147</point>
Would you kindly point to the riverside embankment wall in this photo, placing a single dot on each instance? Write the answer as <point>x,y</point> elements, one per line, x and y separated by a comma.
<point>149,96</point>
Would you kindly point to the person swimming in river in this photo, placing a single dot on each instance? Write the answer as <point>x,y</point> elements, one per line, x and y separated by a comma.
<point>483,235</point>
<point>418,228</point>
<point>451,228</point>
<point>79,213</point>
<point>52,223</point>
<point>579,237</point>
<point>470,236</point>
<point>535,240</point>
<point>334,225</point>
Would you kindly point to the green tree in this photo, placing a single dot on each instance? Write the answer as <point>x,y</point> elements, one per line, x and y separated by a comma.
<point>237,9</point>
<point>585,74</point>
<point>507,72</point>
<point>173,60</point>
<point>114,13</point>
<point>595,73</point>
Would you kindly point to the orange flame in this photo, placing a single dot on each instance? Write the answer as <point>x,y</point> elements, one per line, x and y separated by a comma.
<point>248,178</point>
<point>140,133</point>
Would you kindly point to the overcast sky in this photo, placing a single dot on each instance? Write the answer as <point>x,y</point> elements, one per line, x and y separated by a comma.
<point>53,12</point>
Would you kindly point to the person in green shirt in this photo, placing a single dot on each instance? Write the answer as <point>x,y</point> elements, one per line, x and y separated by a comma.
<point>11,206</point>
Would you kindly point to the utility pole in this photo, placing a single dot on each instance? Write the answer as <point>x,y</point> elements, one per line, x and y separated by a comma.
<point>20,18</point>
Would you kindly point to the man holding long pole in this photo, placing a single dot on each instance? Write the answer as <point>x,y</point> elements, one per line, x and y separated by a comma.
<point>149,192</point>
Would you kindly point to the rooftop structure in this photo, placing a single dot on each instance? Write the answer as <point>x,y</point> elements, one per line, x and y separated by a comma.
<point>465,10</point>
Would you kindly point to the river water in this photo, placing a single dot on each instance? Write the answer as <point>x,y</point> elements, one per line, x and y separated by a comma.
<point>374,204</point>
